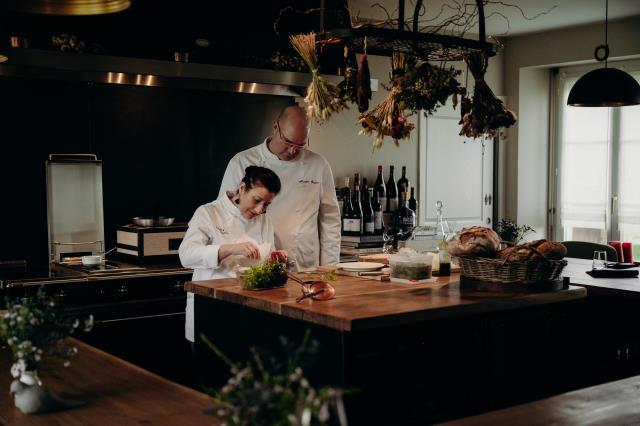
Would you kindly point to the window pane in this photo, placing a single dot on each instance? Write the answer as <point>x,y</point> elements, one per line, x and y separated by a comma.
<point>629,176</point>
<point>583,171</point>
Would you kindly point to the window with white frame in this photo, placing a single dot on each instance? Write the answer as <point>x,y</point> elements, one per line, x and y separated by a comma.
<point>597,168</point>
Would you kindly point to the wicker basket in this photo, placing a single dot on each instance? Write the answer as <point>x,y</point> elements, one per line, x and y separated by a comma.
<point>501,271</point>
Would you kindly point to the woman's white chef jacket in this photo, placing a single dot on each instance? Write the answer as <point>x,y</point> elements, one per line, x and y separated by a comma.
<point>305,214</point>
<point>212,225</point>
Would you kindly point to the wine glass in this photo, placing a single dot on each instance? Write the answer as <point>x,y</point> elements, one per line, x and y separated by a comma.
<point>599,259</point>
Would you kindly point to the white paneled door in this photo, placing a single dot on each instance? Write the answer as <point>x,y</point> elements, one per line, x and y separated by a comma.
<point>455,170</point>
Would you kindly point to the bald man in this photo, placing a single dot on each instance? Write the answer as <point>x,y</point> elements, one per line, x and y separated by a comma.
<point>305,214</point>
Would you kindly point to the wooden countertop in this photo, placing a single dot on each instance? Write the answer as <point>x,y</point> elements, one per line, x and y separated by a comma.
<point>576,270</point>
<point>117,393</point>
<point>367,304</point>
<point>614,403</point>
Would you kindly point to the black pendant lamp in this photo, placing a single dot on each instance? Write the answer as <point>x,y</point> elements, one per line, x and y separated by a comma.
<point>605,87</point>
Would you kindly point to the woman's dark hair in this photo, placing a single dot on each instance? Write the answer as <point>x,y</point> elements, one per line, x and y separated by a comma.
<point>254,175</point>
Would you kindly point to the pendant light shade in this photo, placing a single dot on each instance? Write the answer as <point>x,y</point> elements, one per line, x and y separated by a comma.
<point>70,7</point>
<point>605,87</point>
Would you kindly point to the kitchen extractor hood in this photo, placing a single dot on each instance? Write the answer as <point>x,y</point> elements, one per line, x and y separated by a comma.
<point>43,64</point>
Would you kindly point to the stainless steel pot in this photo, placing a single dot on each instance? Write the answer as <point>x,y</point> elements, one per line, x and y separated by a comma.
<point>165,221</point>
<point>143,221</point>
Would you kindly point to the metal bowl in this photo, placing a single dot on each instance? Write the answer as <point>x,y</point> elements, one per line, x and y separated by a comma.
<point>143,221</point>
<point>165,221</point>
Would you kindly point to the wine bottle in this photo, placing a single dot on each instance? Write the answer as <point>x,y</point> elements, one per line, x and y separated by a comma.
<point>364,191</point>
<point>413,203</point>
<point>379,190</point>
<point>357,211</point>
<point>403,182</point>
<point>378,224</point>
<point>356,182</point>
<point>346,189</point>
<point>405,218</point>
<point>392,193</point>
<point>368,218</point>
<point>347,213</point>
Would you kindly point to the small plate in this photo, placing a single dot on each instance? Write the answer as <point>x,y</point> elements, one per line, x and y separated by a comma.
<point>360,266</point>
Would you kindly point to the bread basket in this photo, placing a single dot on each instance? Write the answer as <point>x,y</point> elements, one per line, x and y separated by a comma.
<point>506,271</point>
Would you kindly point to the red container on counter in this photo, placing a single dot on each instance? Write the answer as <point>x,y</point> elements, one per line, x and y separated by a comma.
<point>627,252</point>
<point>618,246</point>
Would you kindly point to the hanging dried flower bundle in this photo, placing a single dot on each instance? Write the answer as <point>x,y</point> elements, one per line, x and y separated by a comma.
<point>426,87</point>
<point>387,118</point>
<point>484,115</point>
<point>322,98</point>
<point>364,81</point>
<point>348,86</point>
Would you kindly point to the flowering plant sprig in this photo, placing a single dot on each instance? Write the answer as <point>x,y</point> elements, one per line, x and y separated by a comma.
<point>279,395</point>
<point>33,327</point>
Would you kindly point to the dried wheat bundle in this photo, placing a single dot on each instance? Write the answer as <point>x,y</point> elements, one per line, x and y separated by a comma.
<point>322,98</point>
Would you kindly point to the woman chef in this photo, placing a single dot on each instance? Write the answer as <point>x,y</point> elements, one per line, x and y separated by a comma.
<point>230,231</point>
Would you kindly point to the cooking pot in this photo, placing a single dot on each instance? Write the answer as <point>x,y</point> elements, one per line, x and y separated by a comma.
<point>165,221</point>
<point>143,221</point>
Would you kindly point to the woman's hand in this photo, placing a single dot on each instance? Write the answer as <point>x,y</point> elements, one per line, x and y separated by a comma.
<point>279,256</point>
<point>246,249</point>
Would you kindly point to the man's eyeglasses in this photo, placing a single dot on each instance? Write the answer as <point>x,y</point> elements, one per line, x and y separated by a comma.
<point>289,144</point>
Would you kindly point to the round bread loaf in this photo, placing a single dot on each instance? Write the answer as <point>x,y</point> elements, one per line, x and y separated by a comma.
<point>552,250</point>
<point>516,253</point>
<point>474,241</point>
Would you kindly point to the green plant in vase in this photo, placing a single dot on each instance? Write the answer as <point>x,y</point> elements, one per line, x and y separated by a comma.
<point>274,394</point>
<point>34,328</point>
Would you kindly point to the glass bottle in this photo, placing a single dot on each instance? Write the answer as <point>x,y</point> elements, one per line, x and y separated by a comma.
<point>347,214</point>
<point>378,223</point>
<point>379,189</point>
<point>368,224</point>
<point>392,193</point>
<point>357,210</point>
<point>403,182</point>
<point>443,232</point>
<point>413,203</point>
<point>405,218</point>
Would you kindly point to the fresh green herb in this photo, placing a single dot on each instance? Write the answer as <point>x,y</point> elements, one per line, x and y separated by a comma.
<point>511,232</point>
<point>265,275</point>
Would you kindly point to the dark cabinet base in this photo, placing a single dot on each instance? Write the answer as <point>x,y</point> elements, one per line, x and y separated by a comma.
<point>419,373</point>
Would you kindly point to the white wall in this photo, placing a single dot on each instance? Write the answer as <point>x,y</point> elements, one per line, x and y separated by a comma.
<point>348,152</point>
<point>533,138</point>
<point>526,60</point>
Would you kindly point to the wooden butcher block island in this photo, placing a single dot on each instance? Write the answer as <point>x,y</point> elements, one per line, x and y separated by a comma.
<point>413,352</point>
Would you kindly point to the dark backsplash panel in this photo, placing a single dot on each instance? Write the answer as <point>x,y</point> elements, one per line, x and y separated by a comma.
<point>164,151</point>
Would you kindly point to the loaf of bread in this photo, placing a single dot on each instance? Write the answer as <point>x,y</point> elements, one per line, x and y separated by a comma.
<point>522,253</point>
<point>474,241</point>
<point>552,250</point>
<point>516,253</point>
